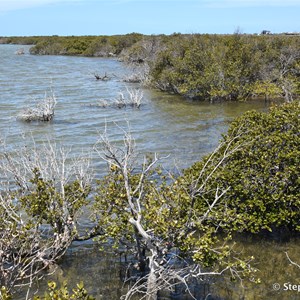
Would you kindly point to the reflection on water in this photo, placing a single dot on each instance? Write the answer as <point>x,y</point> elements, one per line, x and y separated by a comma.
<point>165,124</point>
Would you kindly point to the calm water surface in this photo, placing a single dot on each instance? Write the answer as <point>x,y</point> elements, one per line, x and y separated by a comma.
<point>165,124</point>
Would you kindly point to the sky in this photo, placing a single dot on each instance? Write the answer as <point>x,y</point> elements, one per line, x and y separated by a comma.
<point>110,17</point>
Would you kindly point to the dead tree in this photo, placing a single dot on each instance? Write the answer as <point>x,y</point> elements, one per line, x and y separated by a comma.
<point>21,51</point>
<point>133,98</point>
<point>39,109</point>
<point>102,78</point>
<point>158,268</point>
<point>43,189</point>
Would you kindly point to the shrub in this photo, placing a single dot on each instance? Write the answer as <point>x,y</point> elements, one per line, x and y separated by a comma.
<point>62,293</point>
<point>263,174</point>
<point>233,67</point>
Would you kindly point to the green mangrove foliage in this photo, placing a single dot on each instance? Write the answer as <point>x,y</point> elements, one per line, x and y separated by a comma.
<point>154,221</point>
<point>263,175</point>
<point>250,183</point>
<point>56,293</point>
<point>63,293</point>
<point>76,45</point>
<point>40,201</point>
<point>199,66</point>
<point>176,228</point>
<point>84,45</point>
<point>46,203</point>
<point>229,67</point>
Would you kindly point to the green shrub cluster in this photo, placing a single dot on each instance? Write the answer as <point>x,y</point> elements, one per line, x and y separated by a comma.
<point>228,67</point>
<point>199,66</point>
<point>262,171</point>
<point>56,293</point>
<point>78,45</point>
<point>62,293</point>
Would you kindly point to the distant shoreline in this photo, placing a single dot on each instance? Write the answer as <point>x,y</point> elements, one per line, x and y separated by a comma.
<point>210,67</point>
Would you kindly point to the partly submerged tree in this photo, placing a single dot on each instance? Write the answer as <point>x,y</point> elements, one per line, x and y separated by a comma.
<point>43,189</point>
<point>181,228</point>
<point>39,109</point>
<point>172,239</point>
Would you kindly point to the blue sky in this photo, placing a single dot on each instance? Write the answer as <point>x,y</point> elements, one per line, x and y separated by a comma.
<point>108,17</point>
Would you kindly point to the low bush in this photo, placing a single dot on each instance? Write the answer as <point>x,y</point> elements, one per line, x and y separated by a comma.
<point>263,174</point>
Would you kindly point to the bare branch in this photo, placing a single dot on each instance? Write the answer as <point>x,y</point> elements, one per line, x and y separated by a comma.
<point>43,189</point>
<point>133,98</point>
<point>292,262</point>
<point>40,110</point>
<point>163,272</point>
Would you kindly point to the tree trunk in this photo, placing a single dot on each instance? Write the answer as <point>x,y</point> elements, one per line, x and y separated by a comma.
<point>151,281</point>
<point>141,253</point>
<point>151,287</point>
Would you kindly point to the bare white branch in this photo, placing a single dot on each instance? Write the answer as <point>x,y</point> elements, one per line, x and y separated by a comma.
<point>32,241</point>
<point>292,262</point>
<point>133,98</point>
<point>40,109</point>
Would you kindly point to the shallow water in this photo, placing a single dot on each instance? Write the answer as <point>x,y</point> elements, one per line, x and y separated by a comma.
<point>166,124</point>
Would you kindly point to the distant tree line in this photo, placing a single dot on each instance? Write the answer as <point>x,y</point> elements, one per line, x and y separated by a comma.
<point>77,45</point>
<point>228,67</point>
<point>198,66</point>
